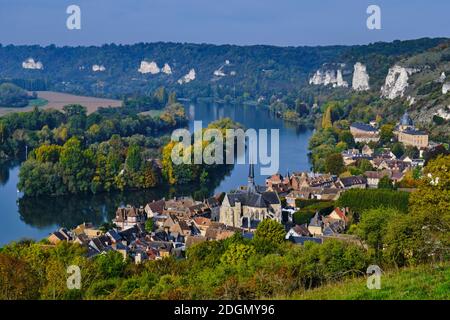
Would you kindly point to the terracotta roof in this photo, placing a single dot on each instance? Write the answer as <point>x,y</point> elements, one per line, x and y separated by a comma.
<point>157,206</point>
<point>202,221</point>
<point>340,213</point>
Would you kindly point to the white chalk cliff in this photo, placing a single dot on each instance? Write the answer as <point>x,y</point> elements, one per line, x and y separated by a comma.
<point>219,73</point>
<point>188,77</point>
<point>360,81</point>
<point>328,77</point>
<point>149,67</point>
<point>446,88</point>
<point>396,82</point>
<point>166,69</point>
<point>98,68</point>
<point>444,113</point>
<point>31,64</point>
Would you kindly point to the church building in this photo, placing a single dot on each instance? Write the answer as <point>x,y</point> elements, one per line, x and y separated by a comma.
<point>247,207</point>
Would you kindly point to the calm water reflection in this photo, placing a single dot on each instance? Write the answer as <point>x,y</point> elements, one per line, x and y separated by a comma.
<point>35,218</point>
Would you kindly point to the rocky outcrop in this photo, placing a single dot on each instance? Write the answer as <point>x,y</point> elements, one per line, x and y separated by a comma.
<point>31,64</point>
<point>188,77</point>
<point>219,73</point>
<point>444,113</point>
<point>328,77</point>
<point>166,69</point>
<point>98,68</point>
<point>445,88</point>
<point>360,81</point>
<point>396,82</point>
<point>149,67</point>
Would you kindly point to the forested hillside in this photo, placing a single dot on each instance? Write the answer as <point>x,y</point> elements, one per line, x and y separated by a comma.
<point>230,71</point>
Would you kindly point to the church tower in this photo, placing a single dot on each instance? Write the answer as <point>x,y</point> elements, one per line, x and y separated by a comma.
<point>251,178</point>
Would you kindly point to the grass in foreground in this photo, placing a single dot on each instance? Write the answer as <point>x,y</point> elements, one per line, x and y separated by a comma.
<point>419,283</point>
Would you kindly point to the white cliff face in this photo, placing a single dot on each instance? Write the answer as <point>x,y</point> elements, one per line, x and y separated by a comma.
<point>167,69</point>
<point>411,100</point>
<point>328,77</point>
<point>396,82</point>
<point>444,113</point>
<point>445,88</point>
<point>219,73</point>
<point>149,67</point>
<point>31,64</point>
<point>188,77</point>
<point>98,68</point>
<point>340,80</point>
<point>442,77</point>
<point>360,81</point>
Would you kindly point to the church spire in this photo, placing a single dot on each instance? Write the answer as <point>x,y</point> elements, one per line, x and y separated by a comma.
<point>251,177</point>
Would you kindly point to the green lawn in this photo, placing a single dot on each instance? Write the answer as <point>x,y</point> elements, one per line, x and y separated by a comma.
<point>419,283</point>
<point>39,102</point>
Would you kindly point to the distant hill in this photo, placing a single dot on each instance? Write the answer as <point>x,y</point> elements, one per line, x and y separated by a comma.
<point>193,70</point>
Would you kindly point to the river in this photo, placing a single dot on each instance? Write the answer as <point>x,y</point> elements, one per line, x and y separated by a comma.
<point>35,218</point>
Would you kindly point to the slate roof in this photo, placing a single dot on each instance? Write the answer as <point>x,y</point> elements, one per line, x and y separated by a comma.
<point>354,180</point>
<point>406,120</point>
<point>316,221</point>
<point>302,240</point>
<point>253,199</point>
<point>301,229</point>
<point>363,127</point>
<point>212,202</point>
<point>414,132</point>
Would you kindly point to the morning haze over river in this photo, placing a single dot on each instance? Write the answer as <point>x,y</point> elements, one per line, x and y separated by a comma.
<point>37,217</point>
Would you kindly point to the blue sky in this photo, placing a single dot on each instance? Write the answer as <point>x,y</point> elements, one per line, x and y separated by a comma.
<point>243,22</point>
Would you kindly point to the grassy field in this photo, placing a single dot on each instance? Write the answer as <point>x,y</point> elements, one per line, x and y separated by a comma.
<point>57,100</point>
<point>418,283</point>
<point>152,113</point>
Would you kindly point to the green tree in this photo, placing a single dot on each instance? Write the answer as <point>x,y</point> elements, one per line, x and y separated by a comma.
<point>238,253</point>
<point>373,226</point>
<point>271,231</point>
<point>334,164</point>
<point>386,133</point>
<point>385,183</point>
<point>430,206</point>
<point>365,165</point>
<point>17,279</point>
<point>149,225</point>
<point>327,121</point>
<point>398,149</point>
<point>110,265</point>
<point>347,137</point>
<point>134,158</point>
